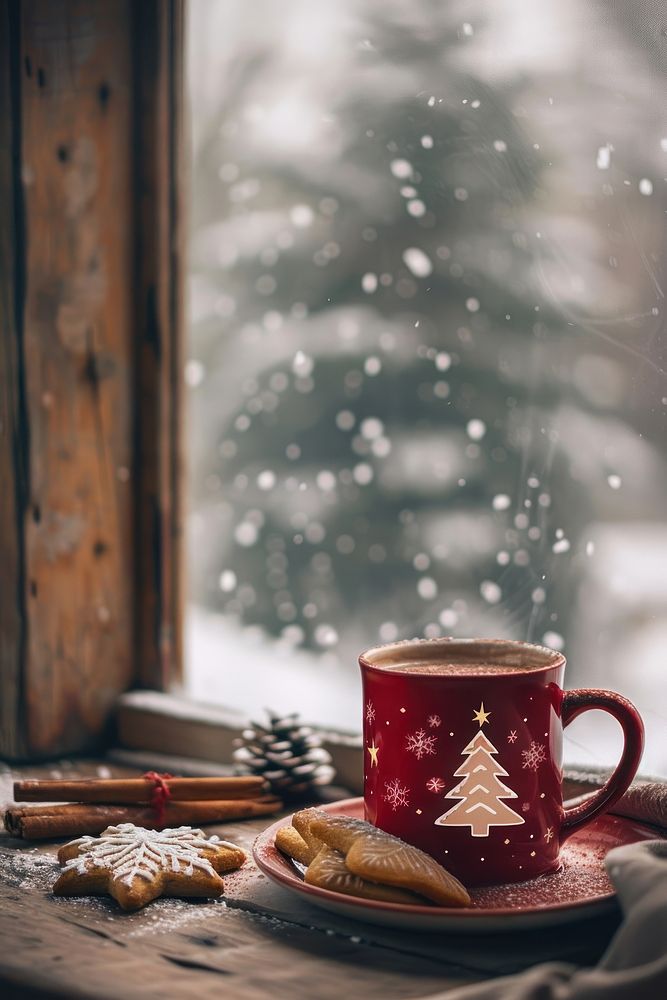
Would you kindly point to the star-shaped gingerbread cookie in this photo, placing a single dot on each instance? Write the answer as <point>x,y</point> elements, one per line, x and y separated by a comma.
<point>135,865</point>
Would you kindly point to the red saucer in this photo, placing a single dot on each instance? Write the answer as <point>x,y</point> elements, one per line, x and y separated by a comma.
<point>581,889</point>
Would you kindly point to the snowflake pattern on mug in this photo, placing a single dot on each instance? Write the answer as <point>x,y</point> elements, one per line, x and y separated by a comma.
<point>534,756</point>
<point>421,745</point>
<point>435,785</point>
<point>396,794</point>
<point>511,736</point>
<point>434,721</point>
<point>370,713</point>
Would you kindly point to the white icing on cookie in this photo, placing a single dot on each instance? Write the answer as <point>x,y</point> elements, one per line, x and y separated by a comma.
<point>131,851</point>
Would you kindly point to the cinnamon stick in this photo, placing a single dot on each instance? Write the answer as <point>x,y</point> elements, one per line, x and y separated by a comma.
<point>129,790</point>
<point>75,820</point>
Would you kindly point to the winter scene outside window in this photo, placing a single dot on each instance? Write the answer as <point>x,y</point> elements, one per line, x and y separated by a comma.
<point>426,356</point>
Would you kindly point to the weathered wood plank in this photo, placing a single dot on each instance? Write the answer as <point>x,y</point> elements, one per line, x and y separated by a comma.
<point>76,119</point>
<point>158,35</point>
<point>13,417</point>
<point>230,953</point>
<point>89,363</point>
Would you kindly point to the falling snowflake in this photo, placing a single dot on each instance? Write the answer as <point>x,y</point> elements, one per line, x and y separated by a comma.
<point>549,834</point>
<point>370,712</point>
<point>396,794</point>
<point>435,784</point>
<point>421,745</point>
<point>131,851</point>
<point>512,736</point>
<point>533,756</point>
<point>434,721</point>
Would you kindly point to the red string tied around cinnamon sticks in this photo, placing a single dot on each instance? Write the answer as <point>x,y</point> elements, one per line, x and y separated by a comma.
<point>160,794</point>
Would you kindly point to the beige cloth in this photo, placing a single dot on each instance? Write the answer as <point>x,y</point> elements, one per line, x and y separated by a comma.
<point>634,967</point>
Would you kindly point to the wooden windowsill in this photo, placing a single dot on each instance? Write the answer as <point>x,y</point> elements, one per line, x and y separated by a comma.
<point>155,722</point>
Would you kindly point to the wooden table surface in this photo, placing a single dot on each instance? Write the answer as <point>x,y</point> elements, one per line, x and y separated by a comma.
<point>259,941</point>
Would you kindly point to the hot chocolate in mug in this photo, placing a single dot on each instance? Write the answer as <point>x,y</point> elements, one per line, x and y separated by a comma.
<point>462,753</point>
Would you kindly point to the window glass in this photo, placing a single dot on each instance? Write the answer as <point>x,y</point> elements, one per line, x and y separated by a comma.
<point>426,356</point>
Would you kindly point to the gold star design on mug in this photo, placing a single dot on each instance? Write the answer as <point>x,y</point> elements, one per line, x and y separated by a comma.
<point>481,716</point>
<point>373,751</point>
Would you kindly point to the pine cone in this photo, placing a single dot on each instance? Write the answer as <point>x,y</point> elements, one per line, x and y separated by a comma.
<point>286,753</point>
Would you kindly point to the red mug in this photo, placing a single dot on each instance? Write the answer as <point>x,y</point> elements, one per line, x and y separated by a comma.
<point>462,753</point>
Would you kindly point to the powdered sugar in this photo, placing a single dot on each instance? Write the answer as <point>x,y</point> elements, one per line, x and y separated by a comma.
<point>28,869</point>
<point>581,877</point>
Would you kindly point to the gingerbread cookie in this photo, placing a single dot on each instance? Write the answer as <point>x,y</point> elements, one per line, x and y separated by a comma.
<point>290,842</point>
<point>302,822</point>
<point>328,871</point>
<point>342,831</point>
<point>376,856</point>
<point>135,865</point>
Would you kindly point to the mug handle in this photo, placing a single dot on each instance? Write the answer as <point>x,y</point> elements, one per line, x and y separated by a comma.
<point>629,719</point>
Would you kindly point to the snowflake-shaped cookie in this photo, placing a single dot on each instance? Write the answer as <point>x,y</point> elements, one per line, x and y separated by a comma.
<point>420,744</point>
<point>135,865</point>
<point>534,756</point>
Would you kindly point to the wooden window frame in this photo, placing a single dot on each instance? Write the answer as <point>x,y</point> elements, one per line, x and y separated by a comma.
<point>91,298</point>
<point>91,400</point>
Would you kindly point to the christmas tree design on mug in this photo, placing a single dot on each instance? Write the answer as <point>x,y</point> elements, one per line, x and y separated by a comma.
<point>481,794</point>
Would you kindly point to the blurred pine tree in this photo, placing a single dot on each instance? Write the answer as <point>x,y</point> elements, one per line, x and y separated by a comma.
<point>380,363</point>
